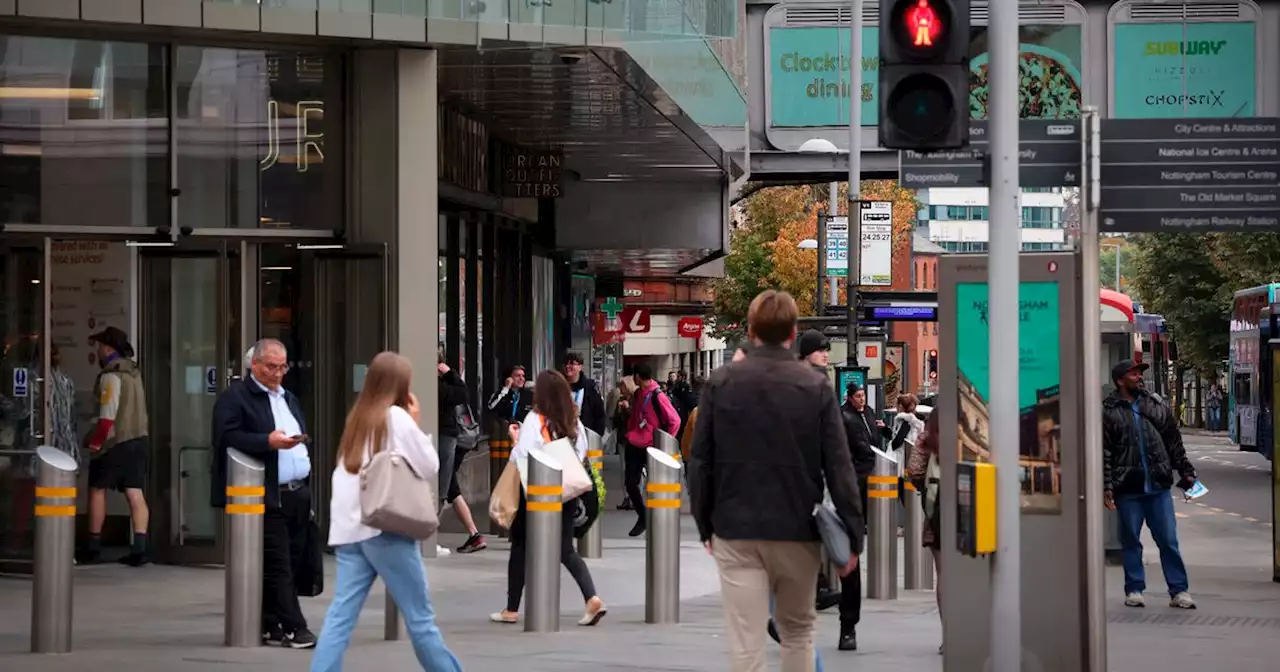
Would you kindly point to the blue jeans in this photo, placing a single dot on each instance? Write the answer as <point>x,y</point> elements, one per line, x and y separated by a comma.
<point>1157,510</point>
<point>817,657</point>
<point>1215,418</point>
<point>399,562</point>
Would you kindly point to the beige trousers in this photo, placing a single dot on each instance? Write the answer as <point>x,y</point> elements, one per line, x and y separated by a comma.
<point>750,572</point>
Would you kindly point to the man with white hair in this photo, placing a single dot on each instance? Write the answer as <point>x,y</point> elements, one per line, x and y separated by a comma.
<point>260,418</point>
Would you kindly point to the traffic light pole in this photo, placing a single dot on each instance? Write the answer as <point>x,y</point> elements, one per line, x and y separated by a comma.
<point>855,177</point>
<point>1002,311</point>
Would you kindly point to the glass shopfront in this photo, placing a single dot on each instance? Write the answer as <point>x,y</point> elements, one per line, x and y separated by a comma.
<point>194,197</point>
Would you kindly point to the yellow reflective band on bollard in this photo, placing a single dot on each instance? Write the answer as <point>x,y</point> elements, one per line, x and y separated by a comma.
<point>246,491</point>
<point>545,490</point>
<point>883,494</point>
<point>595,454</point>
<point>662,487</point>
<point>55,511</point>
<point>246,509</point>
<point>909,486</point>
<point>662,503</point>
<point>543,506</point>
<point>56,492</point>
<point>882,480</point>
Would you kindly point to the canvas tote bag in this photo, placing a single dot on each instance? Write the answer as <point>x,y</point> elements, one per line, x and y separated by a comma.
<point>396,498</point>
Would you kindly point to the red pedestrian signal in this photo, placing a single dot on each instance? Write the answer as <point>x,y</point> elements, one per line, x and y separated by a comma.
<point>923,23</point>
<point>924,74</point>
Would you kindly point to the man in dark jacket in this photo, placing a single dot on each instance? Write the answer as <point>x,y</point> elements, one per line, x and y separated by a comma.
<point>453,395</point>
<point>261,419</point>
<point>1143,458</point>
<point>585,394</point>
<point>815,350</point>
<point>511,402</point>
<point>758,467</point>
<point>863,430</point>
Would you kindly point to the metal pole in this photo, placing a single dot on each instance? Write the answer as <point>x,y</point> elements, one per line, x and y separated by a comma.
<point>55,514</point>
<point>823,218</point>
<point>1091,323</point>
<point>591,545</point>
<point>882,534</point>
<point>662,543</point>
<point>671,446</point>
<point>246,496</point>
<point>392,629</point>
<point>1118,253</point>
<point>543,507</point>
<point>855,178</point>
<point>1002,281</point>
<point>918,561</point>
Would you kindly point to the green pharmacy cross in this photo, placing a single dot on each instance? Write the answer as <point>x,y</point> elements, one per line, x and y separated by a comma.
<point>611,307</point>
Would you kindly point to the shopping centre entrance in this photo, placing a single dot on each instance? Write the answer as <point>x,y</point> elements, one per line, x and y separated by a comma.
<point>192,308</point>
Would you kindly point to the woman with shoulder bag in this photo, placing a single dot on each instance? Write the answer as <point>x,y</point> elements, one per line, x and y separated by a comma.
<point>554,416</point>
<point>925,471</point>
<point>384,418</point>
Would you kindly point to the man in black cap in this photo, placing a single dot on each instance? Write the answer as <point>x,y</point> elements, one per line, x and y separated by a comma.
<point>118,447</point>
<point>815,349</point>
<point>1142,459</point>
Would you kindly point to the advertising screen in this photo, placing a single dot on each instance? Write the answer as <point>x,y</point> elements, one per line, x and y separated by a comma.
<point>1174,70</point>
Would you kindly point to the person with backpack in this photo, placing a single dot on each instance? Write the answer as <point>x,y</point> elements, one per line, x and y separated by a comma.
<point>554,416</point>
<point>924,471</point>
<point>453,405</point>
<point>651,410</point>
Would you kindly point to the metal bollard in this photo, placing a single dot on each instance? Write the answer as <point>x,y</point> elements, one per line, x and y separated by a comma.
<point>671,446</point>
<point>391,627</point>
<point>919,561</point>
<point>882,534</point>
<point>246,495</point>
<point>543,508</point>
<point>499,453</point>
<point>591,545</point>
<point>662,543</point>
<point>55,514</point>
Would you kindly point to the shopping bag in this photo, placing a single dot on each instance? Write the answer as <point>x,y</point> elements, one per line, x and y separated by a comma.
<point>576,481</point>
<point>505,498</point>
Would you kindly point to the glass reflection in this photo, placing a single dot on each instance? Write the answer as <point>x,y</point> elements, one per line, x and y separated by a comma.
<point>86,118</point>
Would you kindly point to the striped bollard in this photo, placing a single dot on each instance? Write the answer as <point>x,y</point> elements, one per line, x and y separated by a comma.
<point>591,545</point>
<point>882,534</point>
<point>55,514</point>
<point>246,504</point>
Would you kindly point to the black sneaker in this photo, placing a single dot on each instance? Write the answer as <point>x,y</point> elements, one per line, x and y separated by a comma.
<point>638,529</point>
<point>827,598</point>
<point>848,640</point>
<point>773,631</point>
<point>274,635</point>
<point>135,560</point>
<point>300,639</point>
<point>625,505</point>
<point>88,557</point>
<point>474,543</point>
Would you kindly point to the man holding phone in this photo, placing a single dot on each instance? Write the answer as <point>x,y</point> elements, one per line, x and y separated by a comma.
<point>258,417</point>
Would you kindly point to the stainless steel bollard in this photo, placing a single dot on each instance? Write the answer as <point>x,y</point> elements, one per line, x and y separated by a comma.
<point>55,514</point>
<point>591,545</point>
<point>391,627</point>
<point>919,561</point>
<point>246,504</point>
<point>662,543</point>
<point>543,509</point>
<point>882,534</point>
<point>671,446</point>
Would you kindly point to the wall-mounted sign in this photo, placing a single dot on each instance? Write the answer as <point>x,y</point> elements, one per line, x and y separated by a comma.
<point>1175,70</point>
<point>875,266</point>
<point>689,327</point>
<point>532,173</point>
<point>636,320</point>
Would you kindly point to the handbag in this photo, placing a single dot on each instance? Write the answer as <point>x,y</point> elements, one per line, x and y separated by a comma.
<point>933,481</point>
<point>396,498</point>
<point>504,501</point>
<point>468,427</point>
<point>574,477</point>
<point>835,538</point>
<point>308,566</point>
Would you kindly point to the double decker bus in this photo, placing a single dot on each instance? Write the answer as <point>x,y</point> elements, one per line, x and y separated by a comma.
<point>1249,362</point>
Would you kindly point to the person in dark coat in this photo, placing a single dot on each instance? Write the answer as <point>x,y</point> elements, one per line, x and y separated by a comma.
<point>586,394</point>
<point>863,430</point>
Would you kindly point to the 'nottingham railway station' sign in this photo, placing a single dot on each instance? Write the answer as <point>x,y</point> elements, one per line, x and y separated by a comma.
<point>1190,174</point>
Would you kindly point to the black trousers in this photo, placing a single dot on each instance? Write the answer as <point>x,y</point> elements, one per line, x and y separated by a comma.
<point>636,460</point>
<point>851,586</point>
<point>568,557</point>
<point>282,548</point>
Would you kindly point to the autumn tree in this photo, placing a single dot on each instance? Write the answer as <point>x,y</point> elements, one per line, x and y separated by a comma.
<point>1178,276</point>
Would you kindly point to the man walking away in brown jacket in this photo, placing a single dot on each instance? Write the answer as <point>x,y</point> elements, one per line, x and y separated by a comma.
<point>759,463</point>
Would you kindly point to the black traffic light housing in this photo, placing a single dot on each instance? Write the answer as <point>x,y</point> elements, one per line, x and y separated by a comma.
<point>924,74</point>
<point>933,365</point>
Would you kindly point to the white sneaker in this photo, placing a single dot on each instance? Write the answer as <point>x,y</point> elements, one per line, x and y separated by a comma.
<point>1135,600</point>
<point>1182,601</point>
<point>442,552</point>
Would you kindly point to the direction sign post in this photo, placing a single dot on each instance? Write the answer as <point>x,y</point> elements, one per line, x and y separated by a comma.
<point>837,247</point>
<point>1049,155</point>
<point>1190,175</point>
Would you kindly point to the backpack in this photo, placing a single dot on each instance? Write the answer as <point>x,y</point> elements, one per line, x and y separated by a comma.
<point>468,427</point>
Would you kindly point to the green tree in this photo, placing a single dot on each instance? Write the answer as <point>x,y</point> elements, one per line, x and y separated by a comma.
<point>1247,259</point>
<point>1107,262</point>
<point>1178,275</point>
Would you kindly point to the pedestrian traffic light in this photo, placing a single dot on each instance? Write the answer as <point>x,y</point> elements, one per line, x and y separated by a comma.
<point>933,365</point>
<point>924,74</point>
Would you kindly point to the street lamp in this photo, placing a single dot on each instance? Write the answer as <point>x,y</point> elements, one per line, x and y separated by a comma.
<point>1118,247</point>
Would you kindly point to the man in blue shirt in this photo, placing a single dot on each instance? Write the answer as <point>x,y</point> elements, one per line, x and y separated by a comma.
<point>1143,458</point>
<point>260,418</point>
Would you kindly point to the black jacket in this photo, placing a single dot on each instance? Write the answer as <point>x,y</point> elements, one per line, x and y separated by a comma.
<point>452,393</point>
<point>242,420</point>
<point>500,405</point>
<point>592,413</point>
<point>862,433</point>
<point>1167,460</point>
<point>760,460</point>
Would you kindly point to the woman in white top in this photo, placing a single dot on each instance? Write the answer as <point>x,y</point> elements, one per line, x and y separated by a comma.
<point>385,417</point>
<point>554,416</point>
<point>906,429</point>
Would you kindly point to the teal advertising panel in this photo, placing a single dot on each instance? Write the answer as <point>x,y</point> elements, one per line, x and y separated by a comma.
<point>809,80</point>
<point>1039,380</point>
<point>846,375</point>
<point>1174,70</point>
